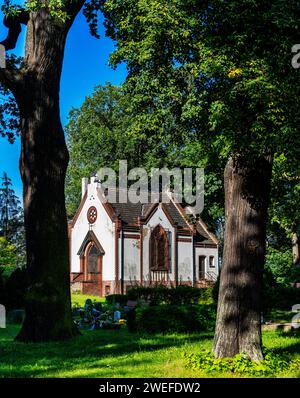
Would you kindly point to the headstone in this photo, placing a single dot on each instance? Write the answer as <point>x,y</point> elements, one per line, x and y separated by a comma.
<point>2,57</point>
<point>2,317</point>
<point>117,316</point>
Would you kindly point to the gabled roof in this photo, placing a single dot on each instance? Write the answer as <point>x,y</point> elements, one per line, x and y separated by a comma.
<point>131,213</point>
<point>90,237</point>
<point>204,232</point>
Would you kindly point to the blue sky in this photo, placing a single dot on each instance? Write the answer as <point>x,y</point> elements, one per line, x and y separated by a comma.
<point>85,66</point>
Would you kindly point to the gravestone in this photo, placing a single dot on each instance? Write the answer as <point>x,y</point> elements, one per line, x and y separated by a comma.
<point>2,317</point>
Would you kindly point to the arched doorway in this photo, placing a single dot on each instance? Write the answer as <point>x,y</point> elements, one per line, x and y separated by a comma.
<point>91,260</point>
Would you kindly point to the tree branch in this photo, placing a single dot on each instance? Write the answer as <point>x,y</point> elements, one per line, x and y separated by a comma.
<point>73,8</point>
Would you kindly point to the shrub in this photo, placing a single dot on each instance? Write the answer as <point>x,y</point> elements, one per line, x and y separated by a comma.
<point>117,298</point>
<point>206,296</point>
<point>215,290</point>
<point>175,318</point>
<point>16,287</point>
<point>152,295</point>
<point>162,295</point>
<point>8,257</point>
<point>242,364</point>
<point>131,321</point>
<point>2,288</point>
<point>16,316</point>
<point>280,297</point>
<point>274,295</point>
<point>189,295</point>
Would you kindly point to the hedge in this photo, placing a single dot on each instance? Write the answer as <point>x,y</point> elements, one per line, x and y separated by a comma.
<point>173,318</point>
<point>175,296</point>
<point>117,298</point>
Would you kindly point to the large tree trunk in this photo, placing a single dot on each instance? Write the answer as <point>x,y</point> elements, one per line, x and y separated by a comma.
<point>43,164</point>
<point>247,188</point>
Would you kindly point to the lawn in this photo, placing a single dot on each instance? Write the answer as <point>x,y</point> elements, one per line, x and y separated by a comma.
<point>117,353</point>
<point>79,299</point>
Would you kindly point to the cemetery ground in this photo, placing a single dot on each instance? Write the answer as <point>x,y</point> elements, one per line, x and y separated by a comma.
<point>118,353</point>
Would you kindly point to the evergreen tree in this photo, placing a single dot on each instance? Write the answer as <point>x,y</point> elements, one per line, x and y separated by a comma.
<point>12,219</point>
<point>10,207</point>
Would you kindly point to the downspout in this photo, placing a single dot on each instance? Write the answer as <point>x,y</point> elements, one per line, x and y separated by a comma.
<point>117,230</point>
<point>194,257</point>
<point>141,252</point>
<point>175,256</point>
<point>122,260</point>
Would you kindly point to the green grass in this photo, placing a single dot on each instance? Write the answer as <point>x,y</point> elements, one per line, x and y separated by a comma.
<point>78,298</point>
<point>117,353</point>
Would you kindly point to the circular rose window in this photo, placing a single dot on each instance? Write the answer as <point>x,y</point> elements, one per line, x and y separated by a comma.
<point>92,215</point>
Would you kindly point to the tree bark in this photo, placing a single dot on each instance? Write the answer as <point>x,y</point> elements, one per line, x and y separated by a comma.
<point>43,164</point>
<point>247,189</point>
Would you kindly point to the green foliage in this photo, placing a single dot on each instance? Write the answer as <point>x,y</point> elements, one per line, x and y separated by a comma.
<point>91,13</point>
<point>284,213</point>
<point>131,321</point>
<point>175,296</point>
<point>175,318</point>
<point>215,290</point>
<point>188,66</point>
<point>8,257</point>
<point>118,353</point>
<point>11,226</point>
<point>56,8</point>
<point>13,281</point>
<point>279,316</point>
<point>280,265</point>
<point>10,207</point>
<point>280,297</point>
<point>106,129</point>
<point>16,288</point>
<point>97,136</point>
<point>278,275</point>
<point>210,79</point>
<point>2,287</point>
<point>241,364</point>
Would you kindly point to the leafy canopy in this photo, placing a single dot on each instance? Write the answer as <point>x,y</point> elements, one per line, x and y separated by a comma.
<point>60,12</point>
<point>102,131</point>
<point>223,66</point>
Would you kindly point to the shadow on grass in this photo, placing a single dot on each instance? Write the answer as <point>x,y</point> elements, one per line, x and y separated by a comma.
<point>89,351</point>
<point>292,347</point>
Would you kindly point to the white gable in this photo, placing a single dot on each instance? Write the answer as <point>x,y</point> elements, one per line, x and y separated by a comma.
<point>103,229</point>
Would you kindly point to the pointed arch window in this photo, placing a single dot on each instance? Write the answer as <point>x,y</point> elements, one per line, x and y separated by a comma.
<point>159,250</point>
<point>91,254</point>
<point>92,260</point>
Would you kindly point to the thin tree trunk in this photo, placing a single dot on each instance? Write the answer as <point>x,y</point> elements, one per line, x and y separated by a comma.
<point>295,246</point>
<point>247,188</point>
<point>43,164</point>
